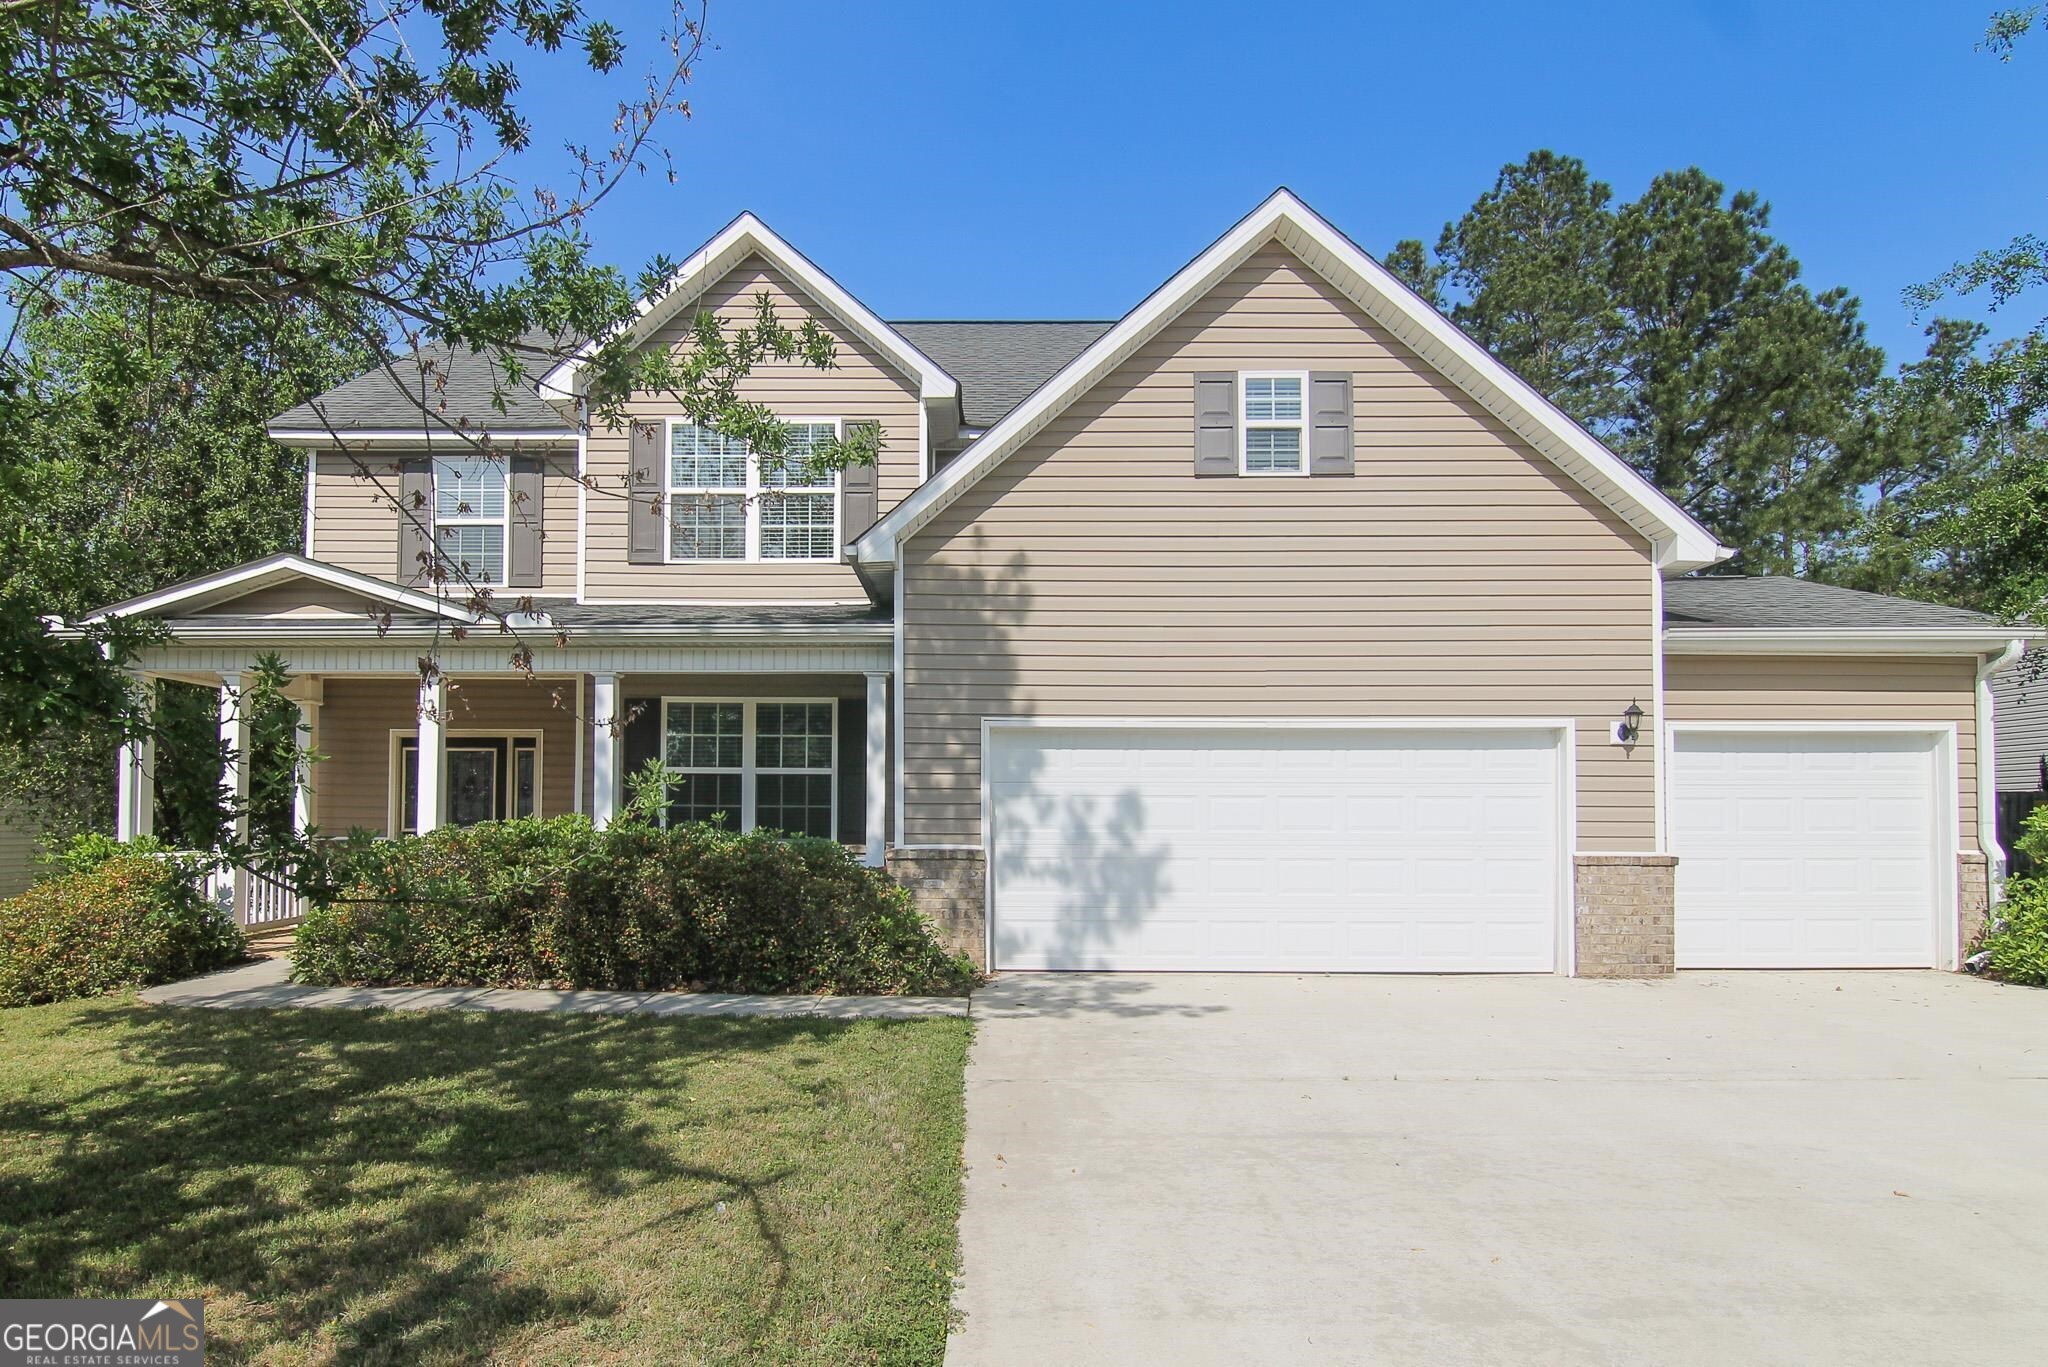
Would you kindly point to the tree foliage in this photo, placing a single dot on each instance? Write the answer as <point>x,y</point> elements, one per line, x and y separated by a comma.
<point>211,210</point>
<point>1675,328</point>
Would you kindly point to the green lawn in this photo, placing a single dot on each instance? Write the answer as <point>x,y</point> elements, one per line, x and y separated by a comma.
<point>372,1187</point>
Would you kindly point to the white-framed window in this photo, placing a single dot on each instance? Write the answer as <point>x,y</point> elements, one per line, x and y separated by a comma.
<point>1274,426</point>
<point>471,513</point>
<point>722,505</point>
<point>753,763</point>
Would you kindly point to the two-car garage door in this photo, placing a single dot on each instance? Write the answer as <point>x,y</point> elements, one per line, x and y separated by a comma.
<point>1275,848</point>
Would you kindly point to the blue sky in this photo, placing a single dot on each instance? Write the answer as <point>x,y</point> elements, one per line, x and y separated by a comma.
<point>1058,160</point>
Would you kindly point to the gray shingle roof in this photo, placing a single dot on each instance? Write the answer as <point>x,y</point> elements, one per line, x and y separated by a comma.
<point>999,363</point>
<point>379,401</point>
<point>1770,601</point>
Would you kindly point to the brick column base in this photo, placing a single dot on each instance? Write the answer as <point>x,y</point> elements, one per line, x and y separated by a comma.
<point>949,887</point>
<point>1622,908</point>
<point>1973,898</point>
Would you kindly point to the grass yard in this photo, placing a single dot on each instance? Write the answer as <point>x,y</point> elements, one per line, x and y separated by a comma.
<point>344,1186</point>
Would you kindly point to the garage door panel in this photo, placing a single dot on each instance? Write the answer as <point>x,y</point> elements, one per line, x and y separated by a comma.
<point>1807,849</point>
<point>1187,848</point>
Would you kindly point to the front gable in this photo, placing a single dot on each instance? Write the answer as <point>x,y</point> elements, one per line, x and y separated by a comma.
<point>868,382</point>
<point>1388,306</point>
<point>286,587</point>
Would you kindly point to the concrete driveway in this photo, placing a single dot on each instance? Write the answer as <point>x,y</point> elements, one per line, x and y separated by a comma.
<point>1754,1168</point>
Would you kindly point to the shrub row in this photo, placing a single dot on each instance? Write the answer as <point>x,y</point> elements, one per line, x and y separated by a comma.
<point>2014,946</point>
<point>633,907</point>
<point>115,919</point>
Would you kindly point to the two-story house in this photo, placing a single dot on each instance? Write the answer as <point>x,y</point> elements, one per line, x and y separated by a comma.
<point>1273,626</point>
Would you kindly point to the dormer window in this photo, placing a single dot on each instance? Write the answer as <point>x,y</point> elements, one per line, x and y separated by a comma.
<point>470,511</point>
<point>1275,427</point>
<point>723,506</point>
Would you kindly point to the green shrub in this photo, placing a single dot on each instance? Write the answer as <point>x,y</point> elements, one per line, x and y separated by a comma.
<point>123,920</point>
<point>2015,944</point>
<point>633,908</point>
<point>2033,836</point>
<point>90,849</point>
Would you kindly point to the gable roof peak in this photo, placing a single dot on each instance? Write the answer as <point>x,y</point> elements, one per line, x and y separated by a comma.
<point>747,235</point>
<point>1678,542</point>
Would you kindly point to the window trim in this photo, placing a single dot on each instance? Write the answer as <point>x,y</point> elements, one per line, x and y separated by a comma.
<point>1245,423</point>
<point>752,493</point>
<point>750,770</point>
<point>503,521</point>
<point>394,796</point>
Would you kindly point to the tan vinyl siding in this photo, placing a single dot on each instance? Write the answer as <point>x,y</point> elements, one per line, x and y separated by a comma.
<point>296,598</point>
<point>1794,688</point>
<point>1455,574</point>
<point>352,786</point>
<point>355,518</point>
<point>863,385</point>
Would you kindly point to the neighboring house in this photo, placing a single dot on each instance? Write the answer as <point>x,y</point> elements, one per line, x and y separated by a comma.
<point>2021,694</point>
<point>1274,626</point>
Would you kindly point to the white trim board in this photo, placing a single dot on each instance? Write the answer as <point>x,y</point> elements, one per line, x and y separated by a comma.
<point>229,584</point>
<point>1678,542</point>
<point>1565,730</point>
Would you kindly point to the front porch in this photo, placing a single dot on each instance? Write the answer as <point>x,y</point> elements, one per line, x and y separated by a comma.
<point>416,711</point>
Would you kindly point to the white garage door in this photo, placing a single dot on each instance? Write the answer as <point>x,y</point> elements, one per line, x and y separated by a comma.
<point>1274,849</point>
<point>1807,849</point>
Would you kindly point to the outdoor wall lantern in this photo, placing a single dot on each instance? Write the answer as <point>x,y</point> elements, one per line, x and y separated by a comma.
<point>1630,728</point>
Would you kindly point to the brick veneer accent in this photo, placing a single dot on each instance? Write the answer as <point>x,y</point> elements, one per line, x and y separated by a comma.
<point>948,886</point>
<point>1622,908</point>
<point>1973,901</point>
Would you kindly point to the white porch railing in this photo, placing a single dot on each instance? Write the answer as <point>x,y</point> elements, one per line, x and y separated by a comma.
<point>256,899</point>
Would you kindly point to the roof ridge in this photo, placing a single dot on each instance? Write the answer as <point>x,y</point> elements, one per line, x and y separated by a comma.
<point>1076,322</point>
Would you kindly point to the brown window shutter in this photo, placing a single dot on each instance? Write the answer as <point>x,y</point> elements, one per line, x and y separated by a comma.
<point>858,507</point>
<point>1331,437</point>
<point>646,526</point>
<point>1216,423</point>
<point>523,537</point>
<point>415,515</point>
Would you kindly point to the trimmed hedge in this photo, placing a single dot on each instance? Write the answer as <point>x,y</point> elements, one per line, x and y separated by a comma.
<point>118,920</point>
<point>634,907</point>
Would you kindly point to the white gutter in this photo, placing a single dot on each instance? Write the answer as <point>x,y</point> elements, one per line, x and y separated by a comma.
<point>1987,765</point>
<point>1871,641</point>
<point>291,436</point>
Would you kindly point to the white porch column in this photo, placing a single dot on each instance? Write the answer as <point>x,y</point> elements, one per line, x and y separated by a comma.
<point>135,778</point>
<point>234,740</point>
<point>302,768</point>
<point>604,752</point>
<point>431,808</point>
<point>878,769</point>
<point>230,879</point>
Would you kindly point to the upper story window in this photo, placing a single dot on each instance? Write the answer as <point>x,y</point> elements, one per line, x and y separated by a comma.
<point>1275,426</point>
<point>470,512</point>
<point>724,506</point>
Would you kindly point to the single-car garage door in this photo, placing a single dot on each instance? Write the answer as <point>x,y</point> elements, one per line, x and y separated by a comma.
<point>1802,849</point>
<point>1274,848</point>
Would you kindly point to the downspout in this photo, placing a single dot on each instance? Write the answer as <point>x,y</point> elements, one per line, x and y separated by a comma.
<point>1987,768</point>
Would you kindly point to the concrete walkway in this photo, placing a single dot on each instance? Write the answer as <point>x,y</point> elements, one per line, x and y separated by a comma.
<point>1725,1168</point>
<point>265,984</point>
